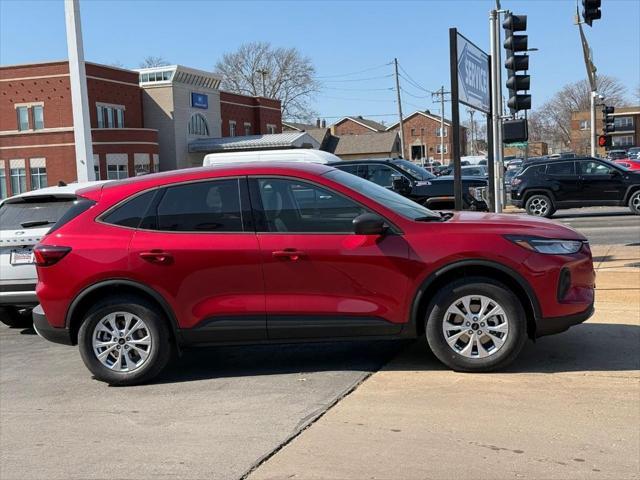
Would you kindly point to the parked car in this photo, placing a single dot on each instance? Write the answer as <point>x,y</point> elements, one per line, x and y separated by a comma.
<point>509,175</point>
<point>546,186</point>
<point>416,183</point>
<point>475,171</point>
<point>257,253</point>
<point>634,153</point>
<point>628,164</point>
<point>617,155</point>
<point>280,155</point>
<point>24,220</point>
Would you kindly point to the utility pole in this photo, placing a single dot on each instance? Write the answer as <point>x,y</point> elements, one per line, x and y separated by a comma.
<point>263,72</point>
<point>395,63</point>
<point>79,96</point>
<point>496,106</point>
<point>440,95</point>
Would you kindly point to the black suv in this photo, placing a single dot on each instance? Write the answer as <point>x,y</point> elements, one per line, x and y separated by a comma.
<point>545,186</point>
<point>416,183</point>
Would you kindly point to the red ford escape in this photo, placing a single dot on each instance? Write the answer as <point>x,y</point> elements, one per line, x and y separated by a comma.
<point>140,268</point>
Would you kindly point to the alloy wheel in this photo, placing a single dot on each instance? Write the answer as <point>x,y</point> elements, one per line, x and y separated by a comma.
<point>635,202</point>
<point>539,207</point>
<point>121,341</point>
<point>475,326</point>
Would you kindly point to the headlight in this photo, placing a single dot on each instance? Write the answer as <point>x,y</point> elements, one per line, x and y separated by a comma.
<point>547,246</point>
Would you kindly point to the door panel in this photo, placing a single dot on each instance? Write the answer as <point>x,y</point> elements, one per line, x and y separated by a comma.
<point>564,181</point>
<point>321,280</point>
<point>600,182</point>
<point>204,262</point>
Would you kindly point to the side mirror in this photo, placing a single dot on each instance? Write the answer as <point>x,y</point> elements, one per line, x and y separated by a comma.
<point>401,185</point>
<point>369,224</point>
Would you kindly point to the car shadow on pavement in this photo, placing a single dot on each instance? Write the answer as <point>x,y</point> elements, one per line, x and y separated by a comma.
<point>591,347</point>
<point>239,361</point>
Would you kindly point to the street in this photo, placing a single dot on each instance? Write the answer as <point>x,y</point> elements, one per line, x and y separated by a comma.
<point>603,225</point>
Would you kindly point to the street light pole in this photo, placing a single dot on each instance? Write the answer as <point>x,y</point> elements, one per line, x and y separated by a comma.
<point>593,123</point>
<point>79,96</point>
<point>496,107</point>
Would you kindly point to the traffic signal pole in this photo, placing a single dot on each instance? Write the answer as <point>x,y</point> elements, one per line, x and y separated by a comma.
<point>593,123</point>
<point>496,109</point>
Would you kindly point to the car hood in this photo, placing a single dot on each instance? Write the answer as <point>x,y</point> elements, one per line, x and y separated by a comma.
<point>514,224</point>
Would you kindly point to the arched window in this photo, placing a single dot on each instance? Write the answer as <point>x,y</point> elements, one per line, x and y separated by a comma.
<point>198,125</point>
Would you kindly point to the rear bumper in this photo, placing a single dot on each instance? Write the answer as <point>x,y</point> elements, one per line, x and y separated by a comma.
<point>46,331</point>
<point>549,326</point>
<point>20,294</point>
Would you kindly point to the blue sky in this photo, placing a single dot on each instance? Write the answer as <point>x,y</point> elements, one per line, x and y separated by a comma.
<point>340,37</point>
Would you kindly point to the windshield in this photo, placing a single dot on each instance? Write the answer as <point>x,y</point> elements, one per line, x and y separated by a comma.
<point>414,170</point>
<point>32,212</point>
<point>391,200</point>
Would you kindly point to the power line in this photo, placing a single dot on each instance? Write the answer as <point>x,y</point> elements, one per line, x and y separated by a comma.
<point>363,115</point>
<point>360,79</point>
<point>354,73</point>
<point>413,82</point>
<point>358,89</point>
<point>412,95</point>
<point>357,99</point>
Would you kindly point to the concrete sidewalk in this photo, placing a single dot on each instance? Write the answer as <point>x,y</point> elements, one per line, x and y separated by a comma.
<point>568,408</point>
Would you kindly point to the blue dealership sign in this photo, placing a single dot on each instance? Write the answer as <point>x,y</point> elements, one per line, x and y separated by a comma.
<point>473,76</point>
<point>199,100</point>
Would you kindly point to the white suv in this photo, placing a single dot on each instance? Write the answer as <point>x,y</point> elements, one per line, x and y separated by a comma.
<point>24,220</point>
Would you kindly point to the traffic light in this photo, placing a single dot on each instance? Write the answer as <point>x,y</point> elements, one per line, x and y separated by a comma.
<point>516,63</point>
<point>608,123</point>
<point>591,11</point>
<point>604,141</point>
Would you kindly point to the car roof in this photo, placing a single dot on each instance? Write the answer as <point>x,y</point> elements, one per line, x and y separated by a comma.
<point>58,191</point>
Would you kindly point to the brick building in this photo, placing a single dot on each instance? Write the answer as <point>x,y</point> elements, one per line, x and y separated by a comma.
<point>36,125</point>
<point>243,115</point>
<point>626,135</point>
<point>422,137</point>
<point>356,126</point>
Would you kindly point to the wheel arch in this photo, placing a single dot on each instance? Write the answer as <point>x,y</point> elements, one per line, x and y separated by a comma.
<point>423,298</point>
<point>87,297</point>
<point>539,191</point>
<point>630,191</point>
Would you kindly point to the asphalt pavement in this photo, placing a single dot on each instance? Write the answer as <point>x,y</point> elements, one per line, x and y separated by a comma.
<point>603,225</point>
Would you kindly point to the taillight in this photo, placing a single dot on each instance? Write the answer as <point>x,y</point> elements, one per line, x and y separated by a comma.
<point>47,255</point>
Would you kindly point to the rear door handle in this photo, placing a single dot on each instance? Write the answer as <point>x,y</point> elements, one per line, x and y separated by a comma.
<point>157,256</point>
<point>288,254</point>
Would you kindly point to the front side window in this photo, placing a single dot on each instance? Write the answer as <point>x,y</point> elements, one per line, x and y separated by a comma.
<point>561,168</point>
<point>23,118</point>
<point>380,174</point>
<point>590,167</point>
<point>299,207</point>
<point>212,206</point>
<point>38,117</point>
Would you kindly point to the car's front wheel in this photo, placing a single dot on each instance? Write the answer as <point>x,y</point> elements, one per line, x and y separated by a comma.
<point>476,325</point>
<point>634,202</point>
<point>540,206</point>
<point>125,341</point>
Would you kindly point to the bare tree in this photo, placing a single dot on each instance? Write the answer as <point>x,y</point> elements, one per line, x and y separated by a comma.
<point>257,68</point>
<point>152,61</point>
<point>117,64</point>
<point>552,121</point>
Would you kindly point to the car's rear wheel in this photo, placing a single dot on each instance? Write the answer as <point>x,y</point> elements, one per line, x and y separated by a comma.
<point>540,206</point>
<point>634,202</point>
<point>15,317</point>
<point>476,325</point>
<point>125,341</point>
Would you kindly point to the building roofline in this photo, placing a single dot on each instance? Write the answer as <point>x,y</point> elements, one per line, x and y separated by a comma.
<point>177,67</point>
<point>428,115</point>
<point>63,62</point>
<point>355,119</point>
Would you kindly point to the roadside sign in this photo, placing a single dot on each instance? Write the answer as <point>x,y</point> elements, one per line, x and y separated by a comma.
<point>473,75</point>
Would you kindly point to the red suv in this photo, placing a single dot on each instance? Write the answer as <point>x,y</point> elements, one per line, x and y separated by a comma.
<point>138,269</point>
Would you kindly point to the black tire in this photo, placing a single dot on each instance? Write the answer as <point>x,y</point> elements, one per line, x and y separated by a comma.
<point>634,202</point>
<point>16,318</point>
<point>540,205</point>
<point>517,323</point>
<point>161,350</point>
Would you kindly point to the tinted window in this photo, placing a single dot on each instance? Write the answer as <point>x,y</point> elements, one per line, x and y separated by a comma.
<point>34,212</point>
<point>536,170</point>
<point>201,207</point>
<point>589,167</point>
<point>130,213</point>
<point>353,169</point>
<point>380,174</point>
<point>561,168</point>
<point>415,170</point>
<point>292,206</point>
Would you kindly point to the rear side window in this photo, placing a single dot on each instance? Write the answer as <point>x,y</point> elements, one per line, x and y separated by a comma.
<point>77,207</point>
<point>561,168</point>
<point>536,171</point>
<point>212,206</point>
<point>130,213</point>
<point>35,212</point>
<point>352,169</point>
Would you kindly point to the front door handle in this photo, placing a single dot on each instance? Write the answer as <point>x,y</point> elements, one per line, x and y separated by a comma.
<point>288,254</point>
<point>157,256</point>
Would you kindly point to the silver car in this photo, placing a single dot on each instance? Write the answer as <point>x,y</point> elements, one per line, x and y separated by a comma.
<point>24,220</point>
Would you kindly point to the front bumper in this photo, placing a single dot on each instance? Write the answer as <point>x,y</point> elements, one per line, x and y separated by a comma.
<point>46,331</point>
<point>549,326</point>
